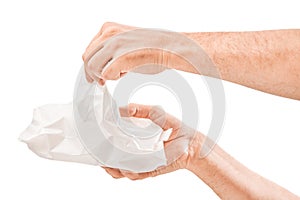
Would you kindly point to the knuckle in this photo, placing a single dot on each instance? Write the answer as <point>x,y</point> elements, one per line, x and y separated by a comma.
<point>110,31</point>
<point>106,25</point>
<point>157,111</point>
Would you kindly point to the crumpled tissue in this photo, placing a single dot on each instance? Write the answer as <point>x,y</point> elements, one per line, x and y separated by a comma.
<point>90,130</point>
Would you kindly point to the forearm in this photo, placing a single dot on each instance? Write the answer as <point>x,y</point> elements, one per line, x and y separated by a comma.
<point>231,180</point>
<point>265,60</point>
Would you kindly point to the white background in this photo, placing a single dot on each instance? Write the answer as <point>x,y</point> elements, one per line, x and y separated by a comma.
<point>41,45</point>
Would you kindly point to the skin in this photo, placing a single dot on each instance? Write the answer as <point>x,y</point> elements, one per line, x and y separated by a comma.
<point>265,60</point>
<point>228,178</point>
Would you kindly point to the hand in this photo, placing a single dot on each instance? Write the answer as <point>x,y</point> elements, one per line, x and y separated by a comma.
<point>112,54</point>
<point>179,132</point>
<point>108,30</point>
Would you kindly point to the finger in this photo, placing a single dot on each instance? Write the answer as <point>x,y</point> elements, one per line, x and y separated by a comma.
<point>89,71</point>
<point>96,44</point>
<point>165,121</point>
<point>97,62</point>
<point>137,60</point>
<point>145,111</point>
<point>125,63</point>
<point>101,81</point>
<point>88,77</point>
<point>115,173</point>
<point>89,53</point>
<point>162,170</point>
<point>154,113</point>
<point>125,111</point>
<point>96,40</point>
<point>130,175</point>
<point>135,176</point>
<point>102,29</point>
<point>93,77</point>
<point>91,44</point>
<point>135,110</point>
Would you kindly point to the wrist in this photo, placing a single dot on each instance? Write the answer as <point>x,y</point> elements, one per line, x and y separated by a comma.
<point>193,158</point>
<point>203,167</point>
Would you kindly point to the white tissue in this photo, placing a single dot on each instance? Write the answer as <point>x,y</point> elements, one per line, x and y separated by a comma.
<point>52,135</point>
<point>91,131</point>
